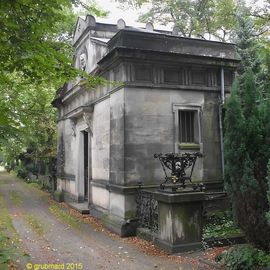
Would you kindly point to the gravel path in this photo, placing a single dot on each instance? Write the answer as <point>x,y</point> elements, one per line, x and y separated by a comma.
<point>51,240</point>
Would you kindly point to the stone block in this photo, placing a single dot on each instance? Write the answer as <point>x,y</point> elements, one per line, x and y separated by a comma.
<point>180,220</point>
<point>117,225</point>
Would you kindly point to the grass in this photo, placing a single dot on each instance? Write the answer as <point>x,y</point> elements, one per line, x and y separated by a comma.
<point>35,224</point>
<point>34,185</point>
<point>9,243</point>
<point>15,197</point>
<point>64,216</point>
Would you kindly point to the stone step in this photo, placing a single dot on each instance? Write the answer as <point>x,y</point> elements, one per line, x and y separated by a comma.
<point>80,207</point>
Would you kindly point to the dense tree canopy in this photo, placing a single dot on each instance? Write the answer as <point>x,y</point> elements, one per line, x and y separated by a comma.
<point>209,19</point>
<point>34,39</point>
<point>36,59</point>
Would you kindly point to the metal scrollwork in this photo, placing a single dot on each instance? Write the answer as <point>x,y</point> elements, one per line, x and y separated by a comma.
<point>178,164</point>
<point>147,210</point>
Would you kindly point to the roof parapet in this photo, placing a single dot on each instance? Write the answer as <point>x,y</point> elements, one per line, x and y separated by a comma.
<point>149,26</point>
<point>121,24</point>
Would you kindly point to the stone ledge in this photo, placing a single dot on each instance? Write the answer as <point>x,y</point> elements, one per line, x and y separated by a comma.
<point>225,241</point>
<point>179,197</point>
<point>120,189</point>
<point>66,177</point>
<point>122,227</point>
<point>132,189</point>
<point>147,235</point>
<point>189,146</point>
<point>179,247</point>
<point>163,86</point>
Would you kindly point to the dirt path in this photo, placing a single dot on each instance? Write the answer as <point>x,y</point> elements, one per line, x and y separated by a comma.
<point>51,239</point>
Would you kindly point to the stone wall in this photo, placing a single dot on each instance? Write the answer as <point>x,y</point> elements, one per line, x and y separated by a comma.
<point>101,140</point>
<point>117,137</point>
<point>150,128</point>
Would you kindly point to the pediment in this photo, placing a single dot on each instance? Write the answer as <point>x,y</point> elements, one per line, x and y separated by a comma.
<point>81,25</point>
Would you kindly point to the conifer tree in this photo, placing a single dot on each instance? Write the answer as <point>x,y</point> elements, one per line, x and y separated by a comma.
<point>247,138</point>
<point>246,156</point>
<point>268,192</point>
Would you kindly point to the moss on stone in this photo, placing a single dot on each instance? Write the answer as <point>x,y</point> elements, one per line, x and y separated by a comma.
<point>105,220</point>
<point>190,229</point>
<point>130,214</point>
<point>58,196</point>
<point>189,146</point>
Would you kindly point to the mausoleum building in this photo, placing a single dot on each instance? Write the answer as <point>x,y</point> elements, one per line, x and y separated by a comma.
<point>167,97</point>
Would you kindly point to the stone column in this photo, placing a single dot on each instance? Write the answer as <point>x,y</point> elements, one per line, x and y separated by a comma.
<point>180,220</point>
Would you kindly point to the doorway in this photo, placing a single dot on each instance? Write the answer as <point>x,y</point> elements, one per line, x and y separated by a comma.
<point>86,162</point>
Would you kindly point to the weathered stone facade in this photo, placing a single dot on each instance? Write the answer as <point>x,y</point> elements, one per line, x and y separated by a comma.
<point>163,81</point>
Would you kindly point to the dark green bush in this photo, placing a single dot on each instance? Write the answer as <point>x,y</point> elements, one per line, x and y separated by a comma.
<point>22,173</point>
<point>244,257</point>
<point>8,168</point>
<point>268,192</point>
<point>58,196</point>
<point>247,151</point>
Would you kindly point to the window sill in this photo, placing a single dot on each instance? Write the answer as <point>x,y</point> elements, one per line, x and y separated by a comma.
<point>189,146</point>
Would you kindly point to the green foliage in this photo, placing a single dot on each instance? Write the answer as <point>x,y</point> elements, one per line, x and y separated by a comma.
<point>65,216</point>
<point>35,185</point>
<point>28,39</point>
<point>15,197</point>
<point>244,258</point>
<point>58,196</point>
<point>261,16</point>
<point>234,144</point>
<point>268,192</point>
<point>246,45</point>
<point>35,39</point>
<point>35,223</point>
<point>246,155</point>
<point>203,19</point>
<point>220,225</point>
<point>247,133</point>
<point>209,19</point>
<point>8,238</point>
<point>36,58</point>
<point>31,122</point>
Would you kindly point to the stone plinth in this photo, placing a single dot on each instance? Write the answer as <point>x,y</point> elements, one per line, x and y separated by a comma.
<point>180,220</point>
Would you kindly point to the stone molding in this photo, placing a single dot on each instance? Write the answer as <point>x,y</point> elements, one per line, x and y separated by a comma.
<point>88,119</point>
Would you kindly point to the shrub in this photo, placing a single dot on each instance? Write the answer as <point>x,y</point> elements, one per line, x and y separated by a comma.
<point>21,172</point>
<point>8,168</point>
<point>220,225</point>
<point>58,196</point>
<point>244,257</point>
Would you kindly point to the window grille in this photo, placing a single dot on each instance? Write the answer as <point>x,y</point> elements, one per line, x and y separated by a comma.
<point>186,126</point>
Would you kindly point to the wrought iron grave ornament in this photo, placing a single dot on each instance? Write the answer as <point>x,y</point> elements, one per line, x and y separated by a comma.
<point>178,164</point>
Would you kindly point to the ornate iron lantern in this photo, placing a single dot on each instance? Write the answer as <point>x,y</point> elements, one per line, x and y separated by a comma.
<point>178,164</point>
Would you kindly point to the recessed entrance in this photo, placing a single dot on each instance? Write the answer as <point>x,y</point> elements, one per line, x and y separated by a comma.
<point>86,163</point>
